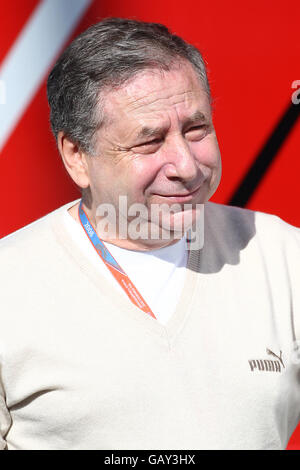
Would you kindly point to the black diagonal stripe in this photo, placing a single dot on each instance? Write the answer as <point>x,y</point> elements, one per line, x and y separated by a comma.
<point>265,157</point>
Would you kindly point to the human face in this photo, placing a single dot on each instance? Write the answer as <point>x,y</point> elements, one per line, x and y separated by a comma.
<point>158,144</point>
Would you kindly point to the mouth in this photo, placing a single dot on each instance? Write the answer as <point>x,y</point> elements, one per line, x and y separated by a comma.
<point>181,197</point>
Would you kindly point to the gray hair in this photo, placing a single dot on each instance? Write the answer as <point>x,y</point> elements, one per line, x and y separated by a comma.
<point>105,56</point>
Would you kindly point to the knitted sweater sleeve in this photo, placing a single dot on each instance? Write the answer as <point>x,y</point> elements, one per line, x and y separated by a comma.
<point>293,256</point>
<point>5,419</point>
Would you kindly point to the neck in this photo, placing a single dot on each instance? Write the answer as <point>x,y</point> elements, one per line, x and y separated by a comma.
<point>126,243</point>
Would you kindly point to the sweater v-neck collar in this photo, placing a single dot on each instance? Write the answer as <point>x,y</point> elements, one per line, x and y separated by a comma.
<point>172,328</point>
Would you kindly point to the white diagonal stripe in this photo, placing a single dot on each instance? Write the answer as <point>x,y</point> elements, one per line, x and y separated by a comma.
<point>31,55</point>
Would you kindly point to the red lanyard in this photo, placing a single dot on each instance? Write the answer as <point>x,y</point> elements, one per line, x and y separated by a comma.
<point>110,262</point>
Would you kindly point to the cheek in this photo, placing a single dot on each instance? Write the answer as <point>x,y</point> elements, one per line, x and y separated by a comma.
<point>207,153</point>
<point>143,171</point>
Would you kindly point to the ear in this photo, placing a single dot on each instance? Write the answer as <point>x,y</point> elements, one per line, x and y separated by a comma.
<point>74,160</point>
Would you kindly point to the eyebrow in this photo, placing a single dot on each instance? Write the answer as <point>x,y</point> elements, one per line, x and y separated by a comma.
<point>149,132</point>
<point>198,116</point>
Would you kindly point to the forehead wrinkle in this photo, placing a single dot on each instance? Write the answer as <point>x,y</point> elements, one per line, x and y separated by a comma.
<point>139,102</point>
<point>136,103</point>
<point>147,131</point>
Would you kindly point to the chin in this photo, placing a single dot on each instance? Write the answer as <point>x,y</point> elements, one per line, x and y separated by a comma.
<point>181,221</point>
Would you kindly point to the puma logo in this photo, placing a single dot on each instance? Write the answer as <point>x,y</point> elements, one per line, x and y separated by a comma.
<point>267,365</point>
<point>275,355</point>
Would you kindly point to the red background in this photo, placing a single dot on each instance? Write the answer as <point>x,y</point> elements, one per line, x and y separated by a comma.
<point>252,51</point>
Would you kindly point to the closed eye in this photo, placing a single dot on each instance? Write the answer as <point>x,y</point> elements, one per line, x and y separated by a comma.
<point>150,146</point>
<point>195,128</point>
<point>196,132</point>
<point>149,142</point>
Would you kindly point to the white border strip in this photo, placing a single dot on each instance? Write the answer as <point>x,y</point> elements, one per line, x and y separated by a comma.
<point>30,57</point>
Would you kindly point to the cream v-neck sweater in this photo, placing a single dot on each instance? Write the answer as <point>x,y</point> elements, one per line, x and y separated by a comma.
<point>83,368</point>
<point>158,275</point>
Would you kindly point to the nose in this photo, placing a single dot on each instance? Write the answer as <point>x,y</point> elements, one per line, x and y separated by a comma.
<point>180,161</point>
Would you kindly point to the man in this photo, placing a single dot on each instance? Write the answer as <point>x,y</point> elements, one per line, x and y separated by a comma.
<point>119,331</point>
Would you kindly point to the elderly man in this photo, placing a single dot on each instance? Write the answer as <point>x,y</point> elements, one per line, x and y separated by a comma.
<point>123,332</point>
